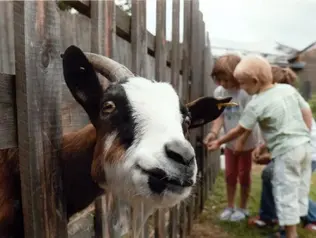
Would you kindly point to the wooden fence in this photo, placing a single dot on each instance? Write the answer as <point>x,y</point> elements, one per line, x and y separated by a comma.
<point>34,99</point>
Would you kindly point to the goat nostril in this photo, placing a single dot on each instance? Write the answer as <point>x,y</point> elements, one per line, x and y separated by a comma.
<point>185,158</point>
<point>188,183</point>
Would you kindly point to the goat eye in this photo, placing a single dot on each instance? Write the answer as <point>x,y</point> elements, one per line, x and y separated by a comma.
<point>108,107</point>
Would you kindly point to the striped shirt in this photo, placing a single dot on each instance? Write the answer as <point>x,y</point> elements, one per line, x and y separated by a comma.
<point>278,112</point>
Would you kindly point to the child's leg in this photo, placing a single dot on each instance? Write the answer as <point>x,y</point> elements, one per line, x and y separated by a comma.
<point>231,173</point>
<point>267,206</point>
<point>286,189</point>
<point>306,173</point>
<point>244,170</point>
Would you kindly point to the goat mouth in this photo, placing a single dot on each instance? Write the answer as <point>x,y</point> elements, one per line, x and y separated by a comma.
<point>159,181</point>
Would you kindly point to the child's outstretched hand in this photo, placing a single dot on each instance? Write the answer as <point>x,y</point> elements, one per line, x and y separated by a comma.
<point>213,145</point>
<point>209,137</point>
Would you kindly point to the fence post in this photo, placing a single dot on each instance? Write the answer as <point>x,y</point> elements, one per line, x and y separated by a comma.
<point>195,93</point>
<point>175,75</point>
<point>160,75</point>
<point>103,34</point>
<point>185,216</point>
<point>38,94</point>
<point>139,67</point>
<point>203,155</point>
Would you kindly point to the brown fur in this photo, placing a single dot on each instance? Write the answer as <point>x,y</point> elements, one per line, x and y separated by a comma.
<point>115,152</point>
<point>77,154</point>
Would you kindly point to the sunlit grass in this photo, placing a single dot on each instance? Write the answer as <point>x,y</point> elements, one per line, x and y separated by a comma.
<point>217,202</point>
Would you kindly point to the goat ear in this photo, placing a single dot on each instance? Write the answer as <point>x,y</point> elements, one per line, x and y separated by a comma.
<point>82,81</point>
<point>206,109</point>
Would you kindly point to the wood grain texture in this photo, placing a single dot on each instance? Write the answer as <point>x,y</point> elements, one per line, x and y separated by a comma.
<point>139,67</point>
<point>160,43</point>
<point>75,30</point>
<point>7,59</point>
<point>175,67</point>
<point>186,51</point>
<point>8,136</point>
<point>175,50</point>
<point>160,75</point>
<point>103,35</point>
<point>38,67</point>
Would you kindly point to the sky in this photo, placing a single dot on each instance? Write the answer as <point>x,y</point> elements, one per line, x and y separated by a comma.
<point>256,23</point>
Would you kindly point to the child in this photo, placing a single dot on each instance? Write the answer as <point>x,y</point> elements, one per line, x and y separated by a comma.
<point>281,112</point>
<point>267,214</point>
<point>237,166</point>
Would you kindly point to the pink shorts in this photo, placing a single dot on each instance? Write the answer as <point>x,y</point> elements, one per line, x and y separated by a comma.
<point>238,167</point>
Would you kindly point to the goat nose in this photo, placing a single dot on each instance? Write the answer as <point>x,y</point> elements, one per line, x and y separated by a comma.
<point>180,151</point>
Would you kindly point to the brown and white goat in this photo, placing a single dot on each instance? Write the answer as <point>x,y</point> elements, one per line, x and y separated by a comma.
<point>135,145</point>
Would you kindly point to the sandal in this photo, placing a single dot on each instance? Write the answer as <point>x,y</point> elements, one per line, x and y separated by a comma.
<point>256,221</point>
<point>310,227</point>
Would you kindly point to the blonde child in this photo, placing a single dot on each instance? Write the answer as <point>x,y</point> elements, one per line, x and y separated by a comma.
<point>237,166</point>
<point>284,119</point>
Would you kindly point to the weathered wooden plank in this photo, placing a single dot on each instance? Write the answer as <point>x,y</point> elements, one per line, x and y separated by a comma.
<point>175,52</point>
<point>160,75</point>
<point>103,42</point>
<point>186,50</point>
<point>8,136</point>
<point>203,155</point>
<point>139,67</point>
<point>206,76</point>
<point>160,41</point>
<point>123,25</point>
<point>175,65</point>
<point>38,67</point>
<point>186,218</point>
<point>75,30</point>
<point>138,38</point>
<point>7,63</point>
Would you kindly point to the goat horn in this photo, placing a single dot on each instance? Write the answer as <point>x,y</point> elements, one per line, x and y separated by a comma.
<point>109,68</point>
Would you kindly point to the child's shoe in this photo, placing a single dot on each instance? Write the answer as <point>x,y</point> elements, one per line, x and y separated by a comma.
<point>239,215</point>
<point>226,214</point>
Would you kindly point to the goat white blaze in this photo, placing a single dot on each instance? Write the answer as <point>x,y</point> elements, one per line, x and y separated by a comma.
<point>156,111</point>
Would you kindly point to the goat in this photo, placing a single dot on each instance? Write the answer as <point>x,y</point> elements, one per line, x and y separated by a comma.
<point>135,145</point>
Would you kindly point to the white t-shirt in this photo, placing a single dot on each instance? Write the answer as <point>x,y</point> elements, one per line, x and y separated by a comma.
<point>278,112</point>
<point>233,114</point>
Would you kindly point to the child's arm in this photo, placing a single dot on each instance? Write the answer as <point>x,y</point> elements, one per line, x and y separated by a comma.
<point>246,123</point>
<point>308,117</point>
<point>231,135</point>
<point>216,126</point>
<point>240,142</point>
<point>306,111</point>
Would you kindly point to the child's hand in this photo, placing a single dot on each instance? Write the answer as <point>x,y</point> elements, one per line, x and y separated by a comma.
<point>263,159</point>
<point>209,137</point>
<point>256,153</point>
<point>213,145</point>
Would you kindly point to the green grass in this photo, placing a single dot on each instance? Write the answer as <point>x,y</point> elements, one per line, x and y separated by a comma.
<point>217,202</point>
